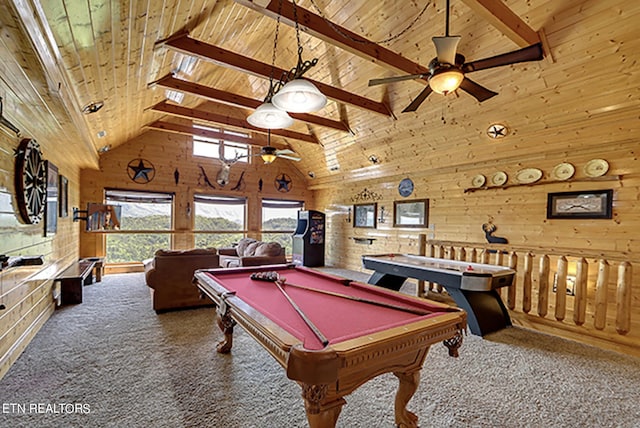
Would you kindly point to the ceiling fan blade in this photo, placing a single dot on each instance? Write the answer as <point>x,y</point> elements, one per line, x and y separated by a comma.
<point>392,79</point>
<point>418,100</point>
<point>530,53</point>
<point>285,152</point>
<point>293,158</point>
<point>479,92</point>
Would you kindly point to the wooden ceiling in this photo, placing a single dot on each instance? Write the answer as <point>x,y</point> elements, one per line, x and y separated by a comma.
<point>216,56</point>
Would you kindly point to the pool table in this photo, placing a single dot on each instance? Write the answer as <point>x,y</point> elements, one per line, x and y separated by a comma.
<point>473,286</point>
<point>364,339</point>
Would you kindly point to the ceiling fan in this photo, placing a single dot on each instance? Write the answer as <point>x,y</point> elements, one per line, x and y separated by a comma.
<point>447,72</point>
<point>269,153</point>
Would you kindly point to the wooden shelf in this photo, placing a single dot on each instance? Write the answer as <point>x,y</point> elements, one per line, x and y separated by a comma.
<point>360,240</point>
<point>538,183</point>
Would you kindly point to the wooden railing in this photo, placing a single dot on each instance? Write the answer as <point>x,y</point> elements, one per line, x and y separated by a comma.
<point>569,286</point>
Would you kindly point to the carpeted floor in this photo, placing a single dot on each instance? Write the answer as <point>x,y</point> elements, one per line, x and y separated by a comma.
<point>112,362</point>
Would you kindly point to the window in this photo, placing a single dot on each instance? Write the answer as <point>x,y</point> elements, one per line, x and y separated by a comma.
<point>143,213</point>
<point>216,148</point>
<point>279,220</point>
<point>219,221</point>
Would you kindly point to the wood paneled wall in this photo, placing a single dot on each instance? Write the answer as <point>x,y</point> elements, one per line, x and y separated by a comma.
<point>171,152</point>
<point>519,212</point>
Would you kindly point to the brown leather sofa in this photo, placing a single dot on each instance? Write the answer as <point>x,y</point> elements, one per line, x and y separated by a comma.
<point>251,252</point>
<point>170,276</point>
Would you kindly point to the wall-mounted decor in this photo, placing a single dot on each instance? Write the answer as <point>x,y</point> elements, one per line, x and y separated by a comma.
<point>365,215</point>
<point>596,168</point>
<point>405,188</point>
<point>413,213</point>
<point>488,229</point>
<point>283,183</point>
<point>31,181</point>
<point>63,197</point>
<point>366,195</point>
<point>51,210</point>
<point>141,171</point>
<point>584,204</point>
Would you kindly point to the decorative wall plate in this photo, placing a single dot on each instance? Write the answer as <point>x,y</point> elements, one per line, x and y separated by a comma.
<point>499,178</point>
<point>596,168</point>
<point>405,188</point>
<point>563,171</point>
<point>528,175</point>
<point>478,180</point>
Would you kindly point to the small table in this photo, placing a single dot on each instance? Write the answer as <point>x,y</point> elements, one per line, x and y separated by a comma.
<point>365,340</point>
<point>472,285</point>
<point>73,278</point>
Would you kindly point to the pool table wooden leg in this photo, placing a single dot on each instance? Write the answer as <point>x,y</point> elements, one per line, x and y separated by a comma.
<point>408,385</point>
<point>226,323</point>
<point>319,413</point>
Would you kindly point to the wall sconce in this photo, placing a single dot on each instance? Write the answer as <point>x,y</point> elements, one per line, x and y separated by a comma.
<point>349,216</point>
<point>381,219</point>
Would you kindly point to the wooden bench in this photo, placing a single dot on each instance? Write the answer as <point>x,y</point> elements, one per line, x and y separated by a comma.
<point>73,278</point>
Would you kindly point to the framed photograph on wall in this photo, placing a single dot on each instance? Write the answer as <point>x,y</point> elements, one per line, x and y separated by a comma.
<point>412,213</point>
<point>63,199</point>
<point>583,204</point>
<point>365,215</point>
<point>51,208</point>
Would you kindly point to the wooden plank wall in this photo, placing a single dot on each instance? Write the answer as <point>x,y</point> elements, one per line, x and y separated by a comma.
<point>519,212</point>
<point>168,152</point>
<point>26,292</point>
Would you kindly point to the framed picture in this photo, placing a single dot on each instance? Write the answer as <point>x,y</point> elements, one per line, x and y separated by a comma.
<point>63,198</point>
<point>413,213</point>
<point>583,204</point>
<point>365,215</point>
<point>51,207</point>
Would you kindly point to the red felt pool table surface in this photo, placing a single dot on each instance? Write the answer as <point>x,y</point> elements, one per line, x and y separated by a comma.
<point>339,319</point>
<point>364,340</point>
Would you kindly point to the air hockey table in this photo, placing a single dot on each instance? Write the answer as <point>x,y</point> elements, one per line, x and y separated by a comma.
<point>473,286</point>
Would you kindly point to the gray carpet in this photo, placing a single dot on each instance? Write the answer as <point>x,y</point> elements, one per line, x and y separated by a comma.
<point>125,366</point>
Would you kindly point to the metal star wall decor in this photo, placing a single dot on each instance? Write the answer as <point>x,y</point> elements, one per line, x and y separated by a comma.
<point>497,130</point>
<point>283,183</point>
<point>141,171</point>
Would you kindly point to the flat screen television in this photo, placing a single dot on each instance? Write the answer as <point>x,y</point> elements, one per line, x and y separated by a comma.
<point>101,217</point>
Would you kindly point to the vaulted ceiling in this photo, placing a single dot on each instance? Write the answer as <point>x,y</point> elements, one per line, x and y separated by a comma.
<point>156,63</point>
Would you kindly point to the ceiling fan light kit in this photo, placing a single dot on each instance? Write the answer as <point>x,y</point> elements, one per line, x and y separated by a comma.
<point>299,96</point>
<point>269,116</point>
<point>445,80</point>
<point>268,154</point>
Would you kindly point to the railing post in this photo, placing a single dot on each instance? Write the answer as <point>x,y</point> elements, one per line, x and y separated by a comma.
<point>422,250</point>
<point>623,299</point>
<point>526,283</point>
<point>543,290</point>
<point>580,301</point>
<point>600,319</point>
<point>511,291</point>
<point>561,289</point>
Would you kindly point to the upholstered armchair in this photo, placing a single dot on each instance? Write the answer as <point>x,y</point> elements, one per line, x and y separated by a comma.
<point>169,275</point>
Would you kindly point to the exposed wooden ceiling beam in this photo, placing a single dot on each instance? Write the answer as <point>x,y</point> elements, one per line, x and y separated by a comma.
<point>214,94</point>
<point>494,11</point>
<point>177,128</point>
<point>189,113</point>
<point>508,23</point>
<point>187,45</point>
<point>318,27</point>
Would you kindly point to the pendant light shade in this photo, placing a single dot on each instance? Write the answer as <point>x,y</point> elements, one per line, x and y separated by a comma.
<point>299,96</point>
<point>269,116</point>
